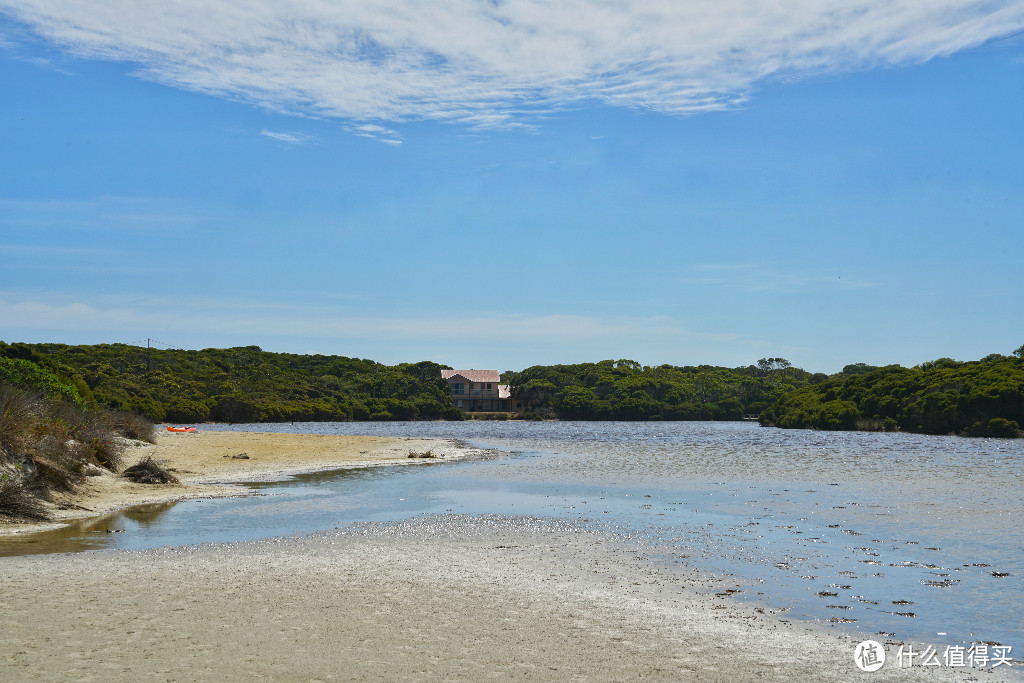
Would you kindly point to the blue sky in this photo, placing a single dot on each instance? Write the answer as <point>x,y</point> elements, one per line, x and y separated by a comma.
<point>503,184</point>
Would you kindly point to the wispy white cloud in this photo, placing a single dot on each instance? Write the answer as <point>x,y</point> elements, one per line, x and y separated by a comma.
<point>375,132</point>
<point>753,277</point>
<point>291,138</point>
<point>501,62</point>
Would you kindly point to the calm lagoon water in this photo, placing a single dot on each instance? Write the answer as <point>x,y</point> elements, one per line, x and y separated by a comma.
<point>897,533</point>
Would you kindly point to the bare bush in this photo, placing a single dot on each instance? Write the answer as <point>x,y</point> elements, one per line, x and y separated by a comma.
<point>16,412</point>
<point>135,427</point>
<point>149,471</point>
<point>57,474</point>
<point>18,502</point>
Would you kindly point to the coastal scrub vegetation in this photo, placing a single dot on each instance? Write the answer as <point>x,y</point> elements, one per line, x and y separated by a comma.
<point>626,390</point>
<point>242,384</point>
<point>973,398</point>
<point>50,440</point>
<point>247,384</point>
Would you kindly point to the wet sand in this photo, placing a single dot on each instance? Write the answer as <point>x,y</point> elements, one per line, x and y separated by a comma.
<point>204,462</point>
<point>437,599</point>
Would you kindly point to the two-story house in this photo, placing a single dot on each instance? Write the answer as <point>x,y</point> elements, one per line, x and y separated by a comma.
<point>479,390</point>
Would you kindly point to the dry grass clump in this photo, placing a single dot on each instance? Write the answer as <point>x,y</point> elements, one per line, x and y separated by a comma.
<point>18,502</point>
<point>135,427</point>
<point>150,471</point>
<point>49,445</point>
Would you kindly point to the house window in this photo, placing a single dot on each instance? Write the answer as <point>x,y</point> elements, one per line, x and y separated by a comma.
<point>457,387</point>
<point>460,403</point>
<point>488,387</point>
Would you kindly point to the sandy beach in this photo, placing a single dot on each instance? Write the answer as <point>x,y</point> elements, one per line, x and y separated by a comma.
<point>206,463</point>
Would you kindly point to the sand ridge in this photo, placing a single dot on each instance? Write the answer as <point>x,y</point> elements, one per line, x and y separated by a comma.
<point>205,464</point>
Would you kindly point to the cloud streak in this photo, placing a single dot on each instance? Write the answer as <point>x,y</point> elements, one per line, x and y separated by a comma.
<point>499,63</point>
<point>290,138</point>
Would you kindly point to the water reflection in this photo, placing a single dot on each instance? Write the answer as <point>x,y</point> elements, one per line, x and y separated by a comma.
<point>93,533</point>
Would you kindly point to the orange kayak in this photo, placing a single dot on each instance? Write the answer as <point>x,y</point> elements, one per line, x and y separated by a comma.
<point>181,429</point>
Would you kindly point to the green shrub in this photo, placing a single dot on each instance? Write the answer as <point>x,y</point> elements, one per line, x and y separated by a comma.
<point>24,374</point>
<point>996,427</point>
<point>185,410</point>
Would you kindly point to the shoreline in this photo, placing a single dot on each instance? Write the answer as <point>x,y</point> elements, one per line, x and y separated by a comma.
<point>207,466</point>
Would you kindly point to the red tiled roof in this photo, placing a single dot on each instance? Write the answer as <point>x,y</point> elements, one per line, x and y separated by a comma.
<point>473,375</point>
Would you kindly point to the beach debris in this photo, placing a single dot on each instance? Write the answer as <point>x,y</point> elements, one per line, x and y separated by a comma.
<point>424,454</point>
<point>842,620</point>
<point>240,456</point>
<point>149,471</point>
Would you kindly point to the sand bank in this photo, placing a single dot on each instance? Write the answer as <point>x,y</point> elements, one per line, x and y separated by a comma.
<point>443,598</point>
<point>204,462</point>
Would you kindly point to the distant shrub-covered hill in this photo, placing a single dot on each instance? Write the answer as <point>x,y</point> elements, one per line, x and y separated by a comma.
<point>242,384</point>
<point>247,384</point>
<point>975,398</point>
<point>627,390</point>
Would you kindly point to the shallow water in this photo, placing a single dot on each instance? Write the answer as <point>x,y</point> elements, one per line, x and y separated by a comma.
<point>839,525</point>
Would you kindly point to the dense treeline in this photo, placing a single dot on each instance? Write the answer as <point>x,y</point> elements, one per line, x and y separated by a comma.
<point>975,398</point>
<point>626,390</point>
<point>243,384</point>
<point>247,384</point>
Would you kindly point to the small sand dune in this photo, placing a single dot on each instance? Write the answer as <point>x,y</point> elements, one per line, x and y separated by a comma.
<point>203,461</point>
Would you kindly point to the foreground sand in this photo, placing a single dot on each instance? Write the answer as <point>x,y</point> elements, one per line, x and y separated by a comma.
<point>437,599</point>
<point>204,462</point>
